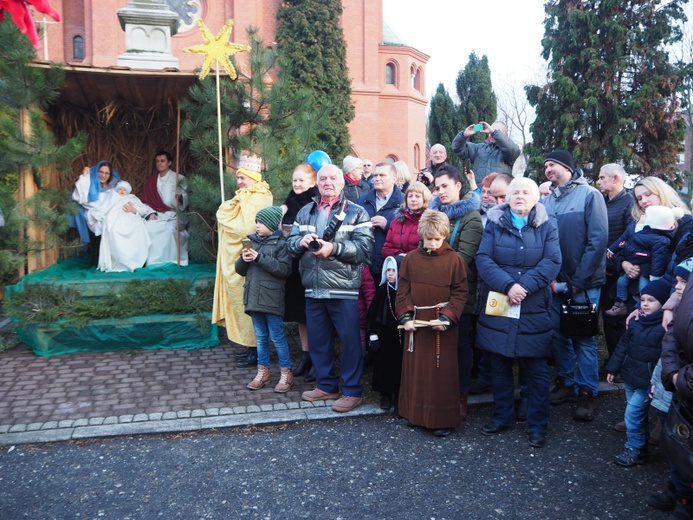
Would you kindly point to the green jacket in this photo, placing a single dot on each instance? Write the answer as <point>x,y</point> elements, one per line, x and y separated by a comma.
<point>468,237</point>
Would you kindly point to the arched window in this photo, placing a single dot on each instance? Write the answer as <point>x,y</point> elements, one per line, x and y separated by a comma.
<point>78,48</point>
<point>390,74</point>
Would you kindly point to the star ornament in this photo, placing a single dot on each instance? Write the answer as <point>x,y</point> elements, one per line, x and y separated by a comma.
<point>217,49</point>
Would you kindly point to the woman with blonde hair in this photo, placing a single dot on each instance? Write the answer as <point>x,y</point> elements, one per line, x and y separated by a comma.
<point>403,235</point>
<point>403,175</point>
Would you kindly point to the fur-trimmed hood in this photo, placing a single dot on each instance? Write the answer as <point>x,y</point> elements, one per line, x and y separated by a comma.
<point>458,209</point>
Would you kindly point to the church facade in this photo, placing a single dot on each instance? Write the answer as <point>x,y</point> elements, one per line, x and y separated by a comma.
<point>387,76</point>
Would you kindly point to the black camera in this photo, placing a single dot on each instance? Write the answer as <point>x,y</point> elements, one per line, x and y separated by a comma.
<point>314,246</point>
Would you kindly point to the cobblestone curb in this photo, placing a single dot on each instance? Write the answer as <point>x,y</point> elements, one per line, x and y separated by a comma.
<point>195,420</point>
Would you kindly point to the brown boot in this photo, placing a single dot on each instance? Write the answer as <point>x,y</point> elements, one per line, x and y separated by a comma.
<point>261,379</point>
<point>463,405</point>
<point>285,381</point>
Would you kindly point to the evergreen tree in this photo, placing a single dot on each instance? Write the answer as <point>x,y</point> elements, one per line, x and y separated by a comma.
<point>611,95</point>
<point>27,145</point>
<point>271,119</point>
<point>477,99</point>
<point>443,124</point>
<point>310,38</point>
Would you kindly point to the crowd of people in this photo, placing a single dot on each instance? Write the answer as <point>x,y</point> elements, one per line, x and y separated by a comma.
<point>445,279</point>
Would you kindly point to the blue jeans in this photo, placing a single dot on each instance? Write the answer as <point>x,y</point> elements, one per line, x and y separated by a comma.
<point>636,417</point>
<point>270,326</point>
<point>622,286</point>
<point>576,358</point>
<point>325,317</point>
<point>536,378</point>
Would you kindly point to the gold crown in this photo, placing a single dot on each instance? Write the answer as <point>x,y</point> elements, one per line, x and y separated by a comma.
<point>251,163</point>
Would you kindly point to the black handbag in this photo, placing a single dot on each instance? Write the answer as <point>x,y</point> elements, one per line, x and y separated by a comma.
<point>579,319</point>
<point>676,440</point>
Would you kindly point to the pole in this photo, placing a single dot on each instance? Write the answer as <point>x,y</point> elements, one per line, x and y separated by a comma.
<point>221,157</point>
<point>177,172</point>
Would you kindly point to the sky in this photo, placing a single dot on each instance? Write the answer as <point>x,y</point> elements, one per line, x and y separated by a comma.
<point>509,32</point>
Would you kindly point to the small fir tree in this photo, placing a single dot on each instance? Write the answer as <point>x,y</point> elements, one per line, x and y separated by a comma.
<point>26,144</point>
<point>262,113</point>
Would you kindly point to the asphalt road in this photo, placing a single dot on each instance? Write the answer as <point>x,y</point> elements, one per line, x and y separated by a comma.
<point>352,468</point>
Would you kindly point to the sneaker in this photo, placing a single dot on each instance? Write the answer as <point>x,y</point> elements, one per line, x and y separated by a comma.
<point>620,427</point>
<point>318,395</point>
<point>630,457</point>
<point>562,394</point>
<point>346,403</point>
<point>619,309</point>
<point>285,381</point>
<point>585,406</point>
<point>261,379</point>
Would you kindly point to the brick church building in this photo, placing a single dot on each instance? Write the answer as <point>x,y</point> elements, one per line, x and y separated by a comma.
<point>387,76</point>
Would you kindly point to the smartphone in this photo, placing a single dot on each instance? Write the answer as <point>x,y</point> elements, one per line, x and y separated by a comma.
<point>246,243</point>
<point>467,166</point>
<point>478,127</point>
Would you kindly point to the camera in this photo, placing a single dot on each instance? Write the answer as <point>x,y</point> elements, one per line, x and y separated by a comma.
<point>314,246</point>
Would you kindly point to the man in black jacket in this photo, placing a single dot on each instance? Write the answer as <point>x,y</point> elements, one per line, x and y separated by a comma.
<point>619,204</point>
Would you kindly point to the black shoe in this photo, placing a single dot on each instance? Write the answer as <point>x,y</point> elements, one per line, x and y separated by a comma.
<point>493,427</point>
<point>521,410</point>
<point>242,354</point>
<point>442,432</point>
<point>304,365</point>
<point>585,406</point>
<point>479,387</point>
<point>620,427</point>
<point>310,376</point>
<point>562,394</point>
<point>662,501</point>
<point>536,439</point>
<point>385,402</point>
<point>250,360</point>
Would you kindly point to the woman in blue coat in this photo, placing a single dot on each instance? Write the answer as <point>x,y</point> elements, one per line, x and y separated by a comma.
<point>519,257</point>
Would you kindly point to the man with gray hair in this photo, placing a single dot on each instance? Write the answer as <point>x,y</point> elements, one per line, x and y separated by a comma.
<point>332,237</point>
<point>439,157</point>
<point>619,204</point>
<point>497,154</point>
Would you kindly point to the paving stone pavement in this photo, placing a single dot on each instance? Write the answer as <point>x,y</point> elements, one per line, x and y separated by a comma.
<point>128,392</point>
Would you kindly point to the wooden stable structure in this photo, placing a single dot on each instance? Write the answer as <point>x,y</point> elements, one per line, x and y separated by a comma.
<point>127,114</point>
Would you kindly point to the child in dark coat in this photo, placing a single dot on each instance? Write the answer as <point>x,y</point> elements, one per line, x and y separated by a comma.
<point>646,244</point>
<point>386,338</point>
<point>635,358</point>
<point>266,266</point>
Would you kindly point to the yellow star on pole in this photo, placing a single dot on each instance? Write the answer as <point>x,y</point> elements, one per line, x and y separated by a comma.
<point>217,49</point>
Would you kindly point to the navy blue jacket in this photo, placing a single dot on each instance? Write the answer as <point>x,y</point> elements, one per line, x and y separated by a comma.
<point>647,246</point>
<point>367,201</point>
<point>531,258</point>
<point>638,350</point>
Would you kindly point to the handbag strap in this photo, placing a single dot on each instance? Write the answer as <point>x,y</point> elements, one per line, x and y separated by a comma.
<point>455,231</point>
